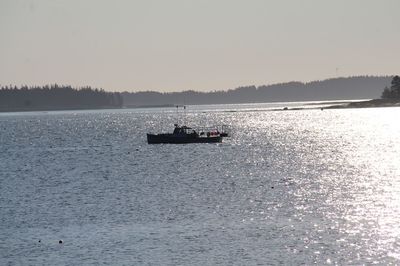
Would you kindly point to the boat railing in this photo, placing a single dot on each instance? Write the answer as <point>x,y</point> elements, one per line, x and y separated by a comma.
<point>214,130</point>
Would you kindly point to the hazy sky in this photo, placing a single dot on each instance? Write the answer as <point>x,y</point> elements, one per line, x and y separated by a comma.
<point>173,45</point>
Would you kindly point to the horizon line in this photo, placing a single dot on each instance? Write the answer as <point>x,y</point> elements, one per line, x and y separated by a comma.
<point>203,91</point>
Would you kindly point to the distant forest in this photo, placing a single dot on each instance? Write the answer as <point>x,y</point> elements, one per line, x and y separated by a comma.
<point>56,97</point>
<point>394,91</point>
<point>351,88</point>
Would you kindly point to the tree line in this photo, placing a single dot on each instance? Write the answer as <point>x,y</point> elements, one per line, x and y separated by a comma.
<point>56,97</point>
<point>394,91</point>
<point>360,87</point>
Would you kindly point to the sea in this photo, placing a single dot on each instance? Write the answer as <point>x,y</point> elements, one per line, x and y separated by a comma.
<point>289,187</point>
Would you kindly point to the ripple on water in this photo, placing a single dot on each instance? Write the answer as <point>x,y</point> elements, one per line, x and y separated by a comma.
<point>288,188</point>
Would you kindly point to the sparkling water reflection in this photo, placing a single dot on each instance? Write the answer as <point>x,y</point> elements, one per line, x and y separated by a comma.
<point>289,187</point>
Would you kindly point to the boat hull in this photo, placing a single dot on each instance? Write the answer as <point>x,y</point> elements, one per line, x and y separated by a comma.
<point>184,139</point>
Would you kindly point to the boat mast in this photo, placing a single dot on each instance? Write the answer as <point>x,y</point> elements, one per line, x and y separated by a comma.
<point>184,115</point>
<point>184,109</point>
<point>177,115</point>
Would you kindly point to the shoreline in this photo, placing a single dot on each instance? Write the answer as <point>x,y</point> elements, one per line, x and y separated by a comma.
<point>374,103</point>
<point>50,109</point>
<point>368,104</point>
<point>338,105</point>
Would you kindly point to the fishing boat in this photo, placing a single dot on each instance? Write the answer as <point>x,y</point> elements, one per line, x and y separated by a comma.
<point>182,135</point>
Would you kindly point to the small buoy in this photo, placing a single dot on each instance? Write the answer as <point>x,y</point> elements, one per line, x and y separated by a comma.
<point>272,187</point>
<point>40,241</point>
<point>60,242</point>
<point>322,109</point>
<point>129,152</point>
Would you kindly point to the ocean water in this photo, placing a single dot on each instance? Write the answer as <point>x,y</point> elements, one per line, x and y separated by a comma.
<point>289,187</point>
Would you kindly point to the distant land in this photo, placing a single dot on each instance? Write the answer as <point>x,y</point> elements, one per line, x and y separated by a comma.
<point>56,97</point>
<point>390,97</point>
<point>61,97</point>
<point>350,88</point>
<point>368,104</point>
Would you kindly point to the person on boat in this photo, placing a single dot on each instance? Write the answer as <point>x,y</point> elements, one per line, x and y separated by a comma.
<point>194,133</point>
<point>178,130</point>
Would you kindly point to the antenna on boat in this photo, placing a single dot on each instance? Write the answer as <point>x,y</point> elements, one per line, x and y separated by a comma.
<point>184,109</point>
<point>177,115</point>
<point>184,115</point>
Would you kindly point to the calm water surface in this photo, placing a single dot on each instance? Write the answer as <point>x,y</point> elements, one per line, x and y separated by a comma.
<point>293,187</point>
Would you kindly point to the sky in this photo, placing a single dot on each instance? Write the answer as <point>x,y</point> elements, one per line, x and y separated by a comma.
<point>204,45</point>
